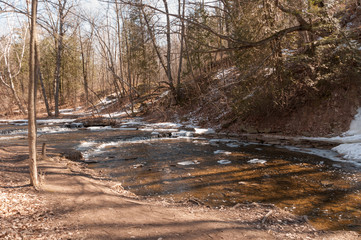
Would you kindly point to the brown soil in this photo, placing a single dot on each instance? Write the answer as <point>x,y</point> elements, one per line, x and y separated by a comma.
<point>77,203</point>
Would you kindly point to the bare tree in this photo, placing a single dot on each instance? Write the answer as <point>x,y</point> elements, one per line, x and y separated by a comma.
<point>31,99</point>
<point>11,69</point>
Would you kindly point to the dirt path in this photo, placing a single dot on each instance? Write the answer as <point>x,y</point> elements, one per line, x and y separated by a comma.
<point>76,203</point>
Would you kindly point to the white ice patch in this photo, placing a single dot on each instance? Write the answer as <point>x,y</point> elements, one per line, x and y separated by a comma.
<point>8,137</point>
<point>186,163</point>
<point>85,146</point>
<point>329,154</point>
<point>54,121</point>
<point>164,125</point>
<point>204,131</point>
<point>50,130</point>
<point>257,161</point>
<point>99,128</point>
<point>44,130</point>
<point>222,152</point>
<point>224,161</point>
<point>182,133</point>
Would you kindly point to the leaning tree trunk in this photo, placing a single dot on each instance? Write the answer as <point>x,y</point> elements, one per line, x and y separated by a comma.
<point>31,100</point>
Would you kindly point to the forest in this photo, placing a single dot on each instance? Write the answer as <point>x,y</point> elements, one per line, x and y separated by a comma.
<point>136,49</point>
<point>230,105</point>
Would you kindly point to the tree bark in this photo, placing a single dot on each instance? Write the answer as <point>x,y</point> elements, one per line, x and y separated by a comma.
<point>31,100</point>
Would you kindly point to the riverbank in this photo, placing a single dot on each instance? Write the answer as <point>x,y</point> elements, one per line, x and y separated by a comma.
<point>78,203</point>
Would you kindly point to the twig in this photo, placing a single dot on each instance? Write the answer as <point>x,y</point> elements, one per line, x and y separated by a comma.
<point>266,216</point>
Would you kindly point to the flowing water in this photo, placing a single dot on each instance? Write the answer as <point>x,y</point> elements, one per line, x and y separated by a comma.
<point>179,165</point>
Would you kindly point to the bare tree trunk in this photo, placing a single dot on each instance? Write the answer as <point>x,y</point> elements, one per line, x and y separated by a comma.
<point>85,71</point>
<point>119,17</point>
<point>40,77</point>
<point>31,100</point>
<point>178,88</point>
<point>16,97</point>
<point>59,50</point>
<point>169,52</point>
<point>10,76</point>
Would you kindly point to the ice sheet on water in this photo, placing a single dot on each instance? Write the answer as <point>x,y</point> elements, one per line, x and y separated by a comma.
<point>182,133</point>
<point>164,125</point>
<point>50,121</point>
<point>186,163</point>
<point>95,128</point>
<point>85,145</point>
<point>44,130</point>
<point>224,161</point>
<point>257,161</point>
<point>55,121</point>
<point>222,152</point>
<point>204,131</point>
<point>50,130</point>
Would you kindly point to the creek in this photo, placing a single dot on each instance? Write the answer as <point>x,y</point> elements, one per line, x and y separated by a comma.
<point>182,164</point>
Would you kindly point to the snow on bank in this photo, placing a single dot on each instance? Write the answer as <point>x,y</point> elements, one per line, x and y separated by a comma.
<point>350,144</point>
<point>350,147</point>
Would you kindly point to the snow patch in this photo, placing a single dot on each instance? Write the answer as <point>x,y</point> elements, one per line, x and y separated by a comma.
<point>350,151</point>
<point>115,114</point>
<point>349,148</point>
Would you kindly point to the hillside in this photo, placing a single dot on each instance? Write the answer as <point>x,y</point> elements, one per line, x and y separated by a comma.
<point>324,112</point>
<point>308,90</point>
